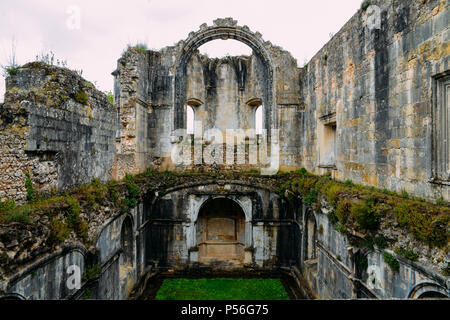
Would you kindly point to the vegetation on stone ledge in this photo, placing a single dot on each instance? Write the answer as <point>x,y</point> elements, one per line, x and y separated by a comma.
<point>364,5</point>
<point>362,208</point>
<point>11,70</point>
<point>380,241</point>
<point>351,207</point>
<point>133,194</point>
<point>408,254</point>
<point>10,213</point>
<point>140,47</point>
<point>110,97</point>
<point>391,261</point>
<point>91,273</point>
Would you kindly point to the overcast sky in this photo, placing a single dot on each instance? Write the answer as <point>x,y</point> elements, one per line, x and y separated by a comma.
<point>106,27</point>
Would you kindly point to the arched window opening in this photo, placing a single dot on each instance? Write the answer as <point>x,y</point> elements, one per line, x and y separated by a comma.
<point>190,119</point>
<point>127,241</point>
<point>259,120</point>
<point>118,131</point>
<point>223,48</point>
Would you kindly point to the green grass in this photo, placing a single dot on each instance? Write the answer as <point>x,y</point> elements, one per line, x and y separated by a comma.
<point>222,289</point>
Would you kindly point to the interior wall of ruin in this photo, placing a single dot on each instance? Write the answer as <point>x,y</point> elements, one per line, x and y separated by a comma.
<point>378,76</point>
<point>223,87</point>
<point>222,91</point>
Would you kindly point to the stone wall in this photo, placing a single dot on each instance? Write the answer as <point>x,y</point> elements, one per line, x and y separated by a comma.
<point>343,270</point>
<point>118,277</point>
<point>47,277</point>
<point>131,89</point>
<point>154,87</point>
<point>377,78</point>
<point>57,127</point>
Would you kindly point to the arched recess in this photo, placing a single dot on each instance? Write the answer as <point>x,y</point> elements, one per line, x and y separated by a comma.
<point>428,290</point>
<point>12,297</point>
<point>223,29</point>
<point>126,241</point>
<point>310,249</point>
<point>221,231</point>
<point>432,295</point>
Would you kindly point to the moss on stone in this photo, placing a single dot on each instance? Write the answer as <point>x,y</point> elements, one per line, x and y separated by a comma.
<point>59,231</point>
<point>365,214</point>
<point>12,70</point>
<point>343,210</point>
<point>81,97</point>
<point>381,242</point>
<point>391,261</point>
<point>364,5</point>
<point>110,97</point>
<point>446,271</point>
<point>91,273</point>
<point>407,253</point>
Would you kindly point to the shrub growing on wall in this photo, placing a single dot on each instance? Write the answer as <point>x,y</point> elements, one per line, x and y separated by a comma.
<point>82,97</point>
<point>29,186</point>
<point>365,214</point>
<point>391,261</point>
<point>364,5</point>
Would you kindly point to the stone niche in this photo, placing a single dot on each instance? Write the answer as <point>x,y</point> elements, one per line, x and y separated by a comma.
<point>327,137</point>
<point>220,232</point>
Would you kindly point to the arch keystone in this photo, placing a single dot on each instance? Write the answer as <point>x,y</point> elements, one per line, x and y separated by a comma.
<point>226,22</point>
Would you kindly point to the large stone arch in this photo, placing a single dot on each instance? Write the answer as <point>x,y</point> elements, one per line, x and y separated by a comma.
<point>223,29</point>
<point>247,212</point>
<point>422,289</point>
<point>13,296</point>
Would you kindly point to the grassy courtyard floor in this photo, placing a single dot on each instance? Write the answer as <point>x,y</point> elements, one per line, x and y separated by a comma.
<point>222,289</point>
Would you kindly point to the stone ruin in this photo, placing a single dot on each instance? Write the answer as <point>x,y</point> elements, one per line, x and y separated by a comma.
<point>372,106</point>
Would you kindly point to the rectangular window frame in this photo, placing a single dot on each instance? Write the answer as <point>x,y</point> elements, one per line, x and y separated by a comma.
<point>328,121</point>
